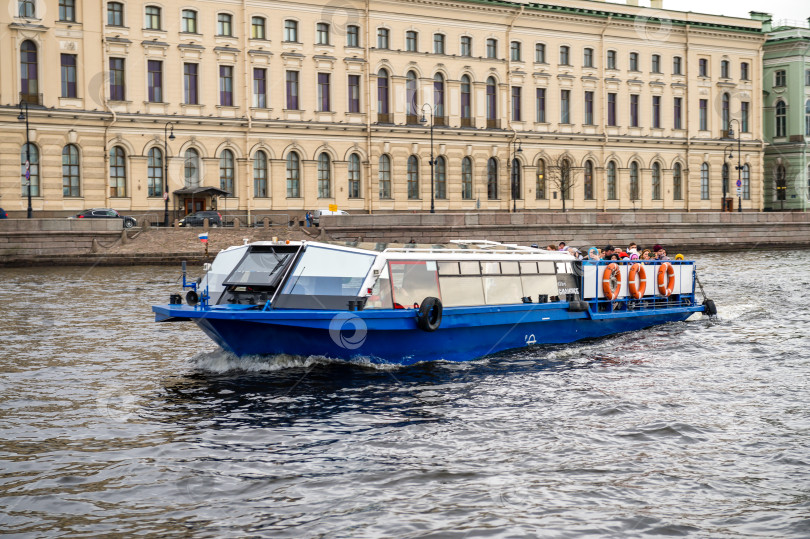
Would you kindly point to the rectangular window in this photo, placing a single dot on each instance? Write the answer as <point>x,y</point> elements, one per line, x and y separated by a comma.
<point>68,75</point>
<point>807,78</point>
<point>677,113</point>
<point>633,61</point>
<point>226,86</point>
<point>257,28</point>
<point>611,109</point>
<point>516,113</point>
<point>117,81</point>
<point>634,110</point>
<point>541,105</point>
<point>540,53</point>
<point>492,48</point>
<point>611,59</point>
<point>565,55</point>
<point>154,81</point>
<point>152,18</point>
<point>189,21</point>
<point>291,31</point>
<point>780,79</point>
<point>292,90</point>
<point>382,38</point>
<point>724,69</point>
<point>514,52</point>
<point>656,63</point>
<point>67,10</point>
<point>466,46</point>
<point>322,33</point>
<point>744,108</point>
<point>438,43</point>
<point>259,87</point>
<point>224,26</point>
<point>324,98</point>
<point>656,111</point>
<point>411,44</point>
<point>115,14</point>
<point>588,108</point>
<point>354,93</point>
<point>565,106</point>
<point>704,114</point>
<point>703,67</point>
<point>352,36</point>
<point>190,96</point>
<point>744,71</point>
<point>676,65</point>
<point>587,57</point>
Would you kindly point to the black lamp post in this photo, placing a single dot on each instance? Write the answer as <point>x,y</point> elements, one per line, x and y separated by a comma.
<point>739,161</point>
<point>432,161</point>
<point>166,171</point>
<point>513,169</point>
<point>22,117</point>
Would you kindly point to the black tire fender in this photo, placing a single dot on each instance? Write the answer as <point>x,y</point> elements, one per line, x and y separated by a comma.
<point>709,307</point>
<point>430,314</point>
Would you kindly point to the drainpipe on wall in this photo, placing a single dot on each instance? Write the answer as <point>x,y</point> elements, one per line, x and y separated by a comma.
<point>104,97</point>
<point>248,198</point>
<point>685,177</point>
<point>605,136</point>
<point>508,48</point>
<point>366,54</point>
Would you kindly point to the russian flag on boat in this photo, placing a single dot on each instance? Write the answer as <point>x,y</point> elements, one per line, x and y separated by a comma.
<point>203,237</point>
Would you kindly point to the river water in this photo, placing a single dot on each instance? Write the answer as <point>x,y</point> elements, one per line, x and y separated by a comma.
<point>111,424</point>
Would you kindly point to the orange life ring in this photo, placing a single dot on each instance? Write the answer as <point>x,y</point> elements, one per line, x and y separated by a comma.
<point>637,291</point>
<point>666,279</point>
<point>612,281</point>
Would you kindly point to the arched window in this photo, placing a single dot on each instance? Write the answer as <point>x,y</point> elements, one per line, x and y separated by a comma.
<point>656,181</point>
<point>226,171</point>
<point>540,186</point>
<point>382,96</point>
<point>29,78</point>
<point>726,112</point>
<point>413,177</point>
<point>704,181</point>
<point>293,175</point>
<point>260,175</point>
<point>781,118</point>
<point>466,179</point>
<point>354,176</point>
<point>466,102</point>
<point>781,183</point>
<point>411,90</point>
<point>612,190</point>
<point>516,187</point>
<point>70,171</point>
<point>725,172</point>
<point>634,195</point>
<point>438,98</point>
<point>492,99</point>
<point>384,175</point>
<point>746,182</point>
<point>441,177</point>
<point>30,153</point>
<point>154,173</point>
<point>565,178</point>
<point>324,176</point>
<point>26,9</point>
<point>191,168</point>
<point>588,180</point>
<point>118,172</point>
<point>677,182</point>
<point>492,179</point>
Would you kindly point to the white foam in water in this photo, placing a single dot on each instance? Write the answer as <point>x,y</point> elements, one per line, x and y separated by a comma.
<point>220,361</point>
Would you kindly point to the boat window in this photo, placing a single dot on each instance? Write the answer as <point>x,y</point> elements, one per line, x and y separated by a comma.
<point>546,267</point>
<point>563,267</point>
<point>260,268</point>
<point>528,268</point>
<point>470,268</point>
<point>490,268</point>
<point>509,268</point>
<point>461,291</point>
<point>448,268</point>
<point>502,289</point>
<point>413,281</point>
<point>380,297</point>
<point>539,285</point>
<point>331,272</point>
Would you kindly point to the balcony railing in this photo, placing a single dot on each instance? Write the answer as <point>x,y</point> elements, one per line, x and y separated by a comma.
<point>493,124</point>
<point>439,120</point>
<point>412,119</point>
<point>383,118</point>
<point>31,99</point>
<point>467,122</point>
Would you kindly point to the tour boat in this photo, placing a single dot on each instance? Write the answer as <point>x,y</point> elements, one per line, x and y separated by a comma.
<point>409,303</point>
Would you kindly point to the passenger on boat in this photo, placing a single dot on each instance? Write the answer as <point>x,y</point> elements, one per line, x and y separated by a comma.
<point>634,256</point>
<point>660,252</point>
<point>678,256</point>
<point>614,256</point>
<point>632,248</point>
<point>562,246</point>
<point>550,247</point>
<point>573,251</point>
<point>624,256</point>
<point>646,255</point>
<point>609,250</point>
<point>593,253</point>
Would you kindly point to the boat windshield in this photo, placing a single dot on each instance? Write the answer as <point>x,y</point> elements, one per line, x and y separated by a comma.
<point>261,267</point>
<point>331,272</point>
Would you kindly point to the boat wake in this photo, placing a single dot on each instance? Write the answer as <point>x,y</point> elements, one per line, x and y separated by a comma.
<point>220,361</point>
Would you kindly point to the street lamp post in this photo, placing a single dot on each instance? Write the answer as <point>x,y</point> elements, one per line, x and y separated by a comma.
<point>166,172</point>
<point>513,168</point>
<point>22,117</point>
<point>739,161</point>
<point>432,161</point>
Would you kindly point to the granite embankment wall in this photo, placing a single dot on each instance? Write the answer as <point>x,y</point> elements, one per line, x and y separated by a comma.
<point>23,238</point>
<point>677,231</point>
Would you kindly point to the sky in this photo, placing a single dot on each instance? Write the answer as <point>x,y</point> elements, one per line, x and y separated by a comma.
<point>796,10</point>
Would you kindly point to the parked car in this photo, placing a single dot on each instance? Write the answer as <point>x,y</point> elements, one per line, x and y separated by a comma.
<point>316,215</point>
<point>196,219</point>
<point>105,213</point>
<point>3,214</point>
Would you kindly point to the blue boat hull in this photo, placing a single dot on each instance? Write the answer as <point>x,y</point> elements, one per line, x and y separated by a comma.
<point>392,336</point>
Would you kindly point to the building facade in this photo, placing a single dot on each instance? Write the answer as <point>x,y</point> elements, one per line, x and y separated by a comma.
<point>293,106</point>
<point>786,86</point>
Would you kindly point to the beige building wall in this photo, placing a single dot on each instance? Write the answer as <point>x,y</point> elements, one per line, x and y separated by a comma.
<point>94,123</point>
